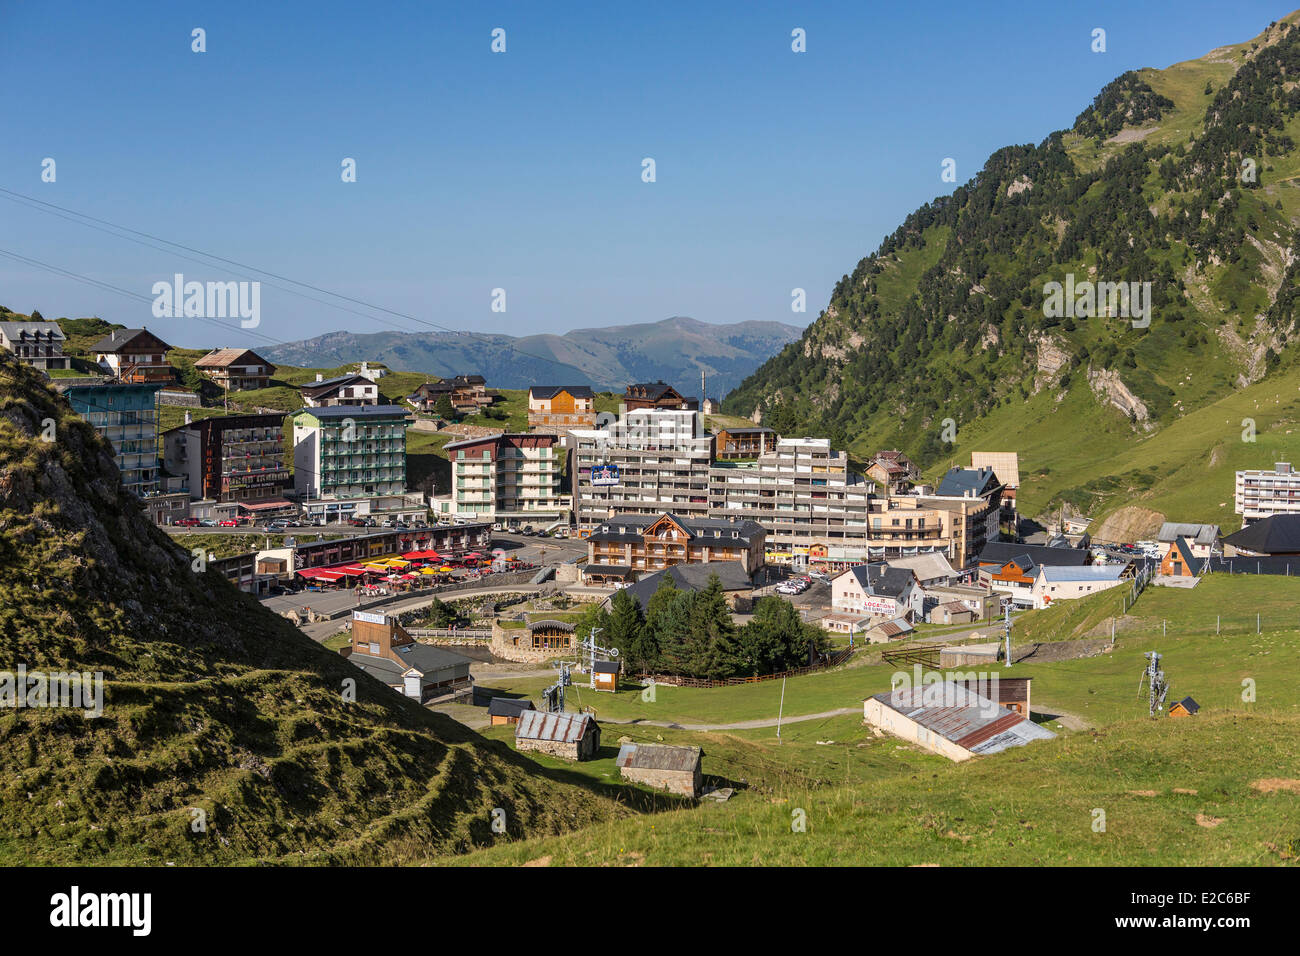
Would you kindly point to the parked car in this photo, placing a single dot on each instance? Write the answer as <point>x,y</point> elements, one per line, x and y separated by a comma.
<point>229,523</point>
<point>186,522</point>
<point>208,523</point>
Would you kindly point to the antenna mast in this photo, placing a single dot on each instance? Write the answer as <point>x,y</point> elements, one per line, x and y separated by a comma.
<point>1154,677</point>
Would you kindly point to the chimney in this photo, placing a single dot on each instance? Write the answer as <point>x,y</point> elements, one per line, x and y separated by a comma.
<point>189,418</point>
<point>320,377</point>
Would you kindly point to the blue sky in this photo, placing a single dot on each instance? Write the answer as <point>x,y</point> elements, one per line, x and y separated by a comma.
<point>522,170</point>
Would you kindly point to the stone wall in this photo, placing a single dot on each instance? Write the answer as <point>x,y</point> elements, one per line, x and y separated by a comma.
<point>556,748</point>
<point>681,782</point>
<point>502,646</point>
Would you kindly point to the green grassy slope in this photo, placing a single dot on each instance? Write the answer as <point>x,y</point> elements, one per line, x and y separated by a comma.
<point>213,704</point>
<point>1174,792</point>
<point>945,323</point>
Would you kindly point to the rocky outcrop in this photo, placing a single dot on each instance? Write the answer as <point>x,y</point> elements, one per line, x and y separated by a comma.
<point>1112,391</point>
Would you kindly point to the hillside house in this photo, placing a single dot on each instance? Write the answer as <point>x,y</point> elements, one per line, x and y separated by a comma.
<point>561,407</point>
<point>983,603</point>
<point>932,569</point>
<point>237,370</point>
<point>568,736</point>
<point>1179,561</point>
<point>529,642</point>
<point>1202,539</point>
<point>628,545</point>
<point>1277,534</point>
<point>675,769</point>
<point>38,344</point>
<point>951,612</point>
<point>350,389</point>
<point>1053,583</point>
<point>1011,568</point>
<point>1186,707</point>
<point>877,590</point>
<point>885,631</point>
<point>134,356</point>
<point>657,395</point>
<point>893,470</point>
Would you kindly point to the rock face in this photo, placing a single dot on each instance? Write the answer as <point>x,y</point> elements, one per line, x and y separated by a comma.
<point>1112,391</point>
<point>226,735</point>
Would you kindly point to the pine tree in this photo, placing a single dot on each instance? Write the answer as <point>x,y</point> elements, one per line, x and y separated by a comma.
<point>626,626</point>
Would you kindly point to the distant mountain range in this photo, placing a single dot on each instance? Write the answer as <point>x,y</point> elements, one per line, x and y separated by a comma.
<point>675,350</point>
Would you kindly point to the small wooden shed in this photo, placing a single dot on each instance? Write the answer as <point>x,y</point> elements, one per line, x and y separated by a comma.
<point>675,769</point>
<point>507,710</point>
<point>1184,708</point>
<point>604,675</point>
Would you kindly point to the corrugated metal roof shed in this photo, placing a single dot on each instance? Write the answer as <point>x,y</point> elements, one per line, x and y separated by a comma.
<point>565,728</point>
<point>969,721</point>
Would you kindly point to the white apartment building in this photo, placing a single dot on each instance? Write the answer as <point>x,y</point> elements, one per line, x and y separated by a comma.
<point>813,507</point>
<point>1261,493</point>
<point>816,510</point>
<point>650,461</point>
<point>506,477</point>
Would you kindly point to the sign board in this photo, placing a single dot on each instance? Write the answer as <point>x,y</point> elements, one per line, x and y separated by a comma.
<point>874,606</point>
<point>369,617</point>
<point>604,475</point>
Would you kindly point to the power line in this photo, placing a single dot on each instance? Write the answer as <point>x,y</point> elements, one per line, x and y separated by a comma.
<point>84,219</point>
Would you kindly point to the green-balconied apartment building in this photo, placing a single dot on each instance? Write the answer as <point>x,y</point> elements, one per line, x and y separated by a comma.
<point>348,452</point>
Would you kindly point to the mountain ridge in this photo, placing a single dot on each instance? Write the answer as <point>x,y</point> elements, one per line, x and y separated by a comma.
<point>1182,178</point>
<point>675,350</point>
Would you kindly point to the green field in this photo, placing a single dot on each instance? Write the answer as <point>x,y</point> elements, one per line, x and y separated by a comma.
<point>874,799</point>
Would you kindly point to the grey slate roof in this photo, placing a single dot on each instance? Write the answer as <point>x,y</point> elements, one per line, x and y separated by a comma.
<point>659,757</point>
<point>118,340</point>
<point>422,657</point>
<point>1204,534</point>
<point>704,531</point>
<point>607,667</point>
<point>1276,534</point>
<point>355,411</point>
<point>47,329</point>
<point>329,384</point>
<point>966,482</point>
<point>693,577</point>
<point>1000,552</point>
<point>509,706</point>
<point>882,580</point>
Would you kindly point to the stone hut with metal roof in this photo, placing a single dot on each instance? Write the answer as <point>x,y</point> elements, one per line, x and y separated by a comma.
<point>568,736</point>
<point>675,769</point>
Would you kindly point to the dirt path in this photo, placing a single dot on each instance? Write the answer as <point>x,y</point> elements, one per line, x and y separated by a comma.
<point>738,725</point>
